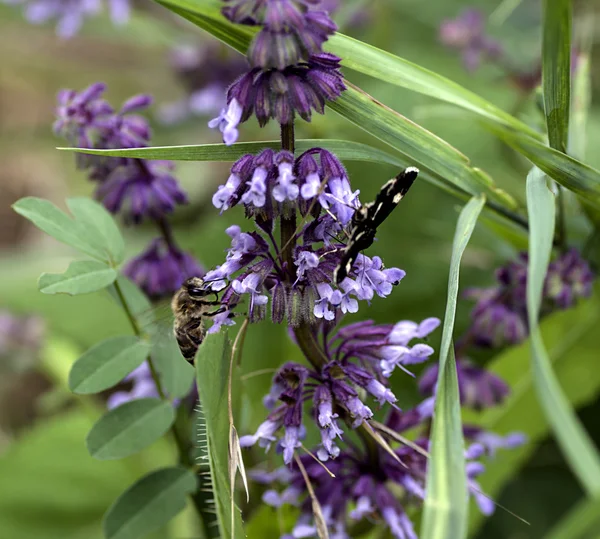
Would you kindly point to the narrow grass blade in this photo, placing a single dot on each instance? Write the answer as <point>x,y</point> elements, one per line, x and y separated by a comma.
<point>556,70</point>
<point>572,174</point>
<point>575,443</point>
<point>426,150</point>
<point>445,512</point>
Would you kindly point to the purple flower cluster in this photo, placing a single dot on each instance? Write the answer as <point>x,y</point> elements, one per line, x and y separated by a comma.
<point>70,14</point>
<point>136,189</point>
<point>355,486</point>
<point>290,74</point>
<point>351,484</point>
<point>466,33</point>
<point>500,316</point>
<point>274,184</point>
<point>205,71</point>
<point>359,359</point>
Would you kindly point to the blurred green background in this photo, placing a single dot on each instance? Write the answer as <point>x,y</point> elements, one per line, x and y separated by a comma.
<point>49,486</point>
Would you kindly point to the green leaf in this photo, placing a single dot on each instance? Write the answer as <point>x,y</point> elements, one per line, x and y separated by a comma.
<point>82,277</point>
<point>556,70</point>
<point>575,443</point>
<point>129,428</point>
<point>344,149</point>
<point>212,369</point>
<point>569,172</point>
<point>106,364</point>
<point>56,223</point>
<point>98,224</point>
<point>149,503</point>
<point>571,338</point>
<point>176,374</point>
<point>581,522</point>
<point>446,503</point>
<point>358,56</point>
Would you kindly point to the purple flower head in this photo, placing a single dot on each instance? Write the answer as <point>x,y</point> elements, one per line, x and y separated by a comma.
<point>86,120</point>
<point>478,387</point>
<point>279,94</point>
<point>467,34</point>
<point>356,487</point>
<point>337,389</point>
<point>500,315</point>
<point>136,188</point>
<point>161,269</point>
<point>273,185</point>
<point>70,14</point>
<point>140,190</point>
<point>569,278</point>
<point>292,30</point>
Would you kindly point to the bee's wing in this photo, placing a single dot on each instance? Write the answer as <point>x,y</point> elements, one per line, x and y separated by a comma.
<point>157,320</point>
<point>157,323</point>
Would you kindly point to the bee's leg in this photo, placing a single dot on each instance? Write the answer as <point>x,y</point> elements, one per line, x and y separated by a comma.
<point>210,302</point>
<point>218,311</point>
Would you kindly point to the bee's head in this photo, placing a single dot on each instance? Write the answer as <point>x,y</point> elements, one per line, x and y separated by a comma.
<point>196,288</point>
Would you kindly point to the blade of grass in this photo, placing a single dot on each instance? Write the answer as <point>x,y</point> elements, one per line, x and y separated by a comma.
<point>577,447</point>
<point>445,513</point>
<point>556,70</point>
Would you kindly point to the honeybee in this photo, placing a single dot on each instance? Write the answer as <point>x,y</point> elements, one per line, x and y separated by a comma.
<point>190,308</point>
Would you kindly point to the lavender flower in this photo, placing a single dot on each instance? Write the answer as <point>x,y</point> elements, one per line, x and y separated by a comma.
<point>500,315</point>
<point>70,14</point>
<point>141,189</point>
<point>273,184</point>
<point>352,368</point>
<point>161,269</point>
<point>363,488</point>
<point>136,188</point>
<point>205,71</point>
<point>467,34</point>
<point>290,74</point>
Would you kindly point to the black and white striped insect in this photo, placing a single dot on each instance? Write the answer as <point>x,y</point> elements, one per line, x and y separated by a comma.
<point>368,217</point>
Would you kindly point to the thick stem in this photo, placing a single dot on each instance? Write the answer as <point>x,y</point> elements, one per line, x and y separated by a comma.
<point>288,222</point>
